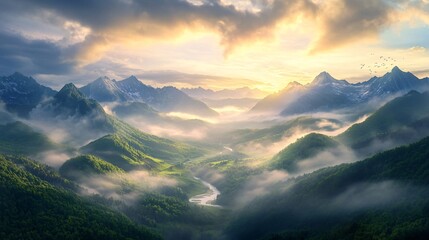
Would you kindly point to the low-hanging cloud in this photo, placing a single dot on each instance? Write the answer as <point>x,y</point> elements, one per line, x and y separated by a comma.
<point>269,149</point>
<point>53,158</point>
<point>259,186</point>
<point>366,195</point>
<point>327,124</point>
<point>330,157</point>
<point>125,187</point>
<point>162,125</point>
<point>208,174</point>
<point>5,116</point>
<point>62,128</point>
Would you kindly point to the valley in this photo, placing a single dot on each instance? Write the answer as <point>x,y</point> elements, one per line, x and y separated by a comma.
<point>322,172</point>
<point>214,120</point>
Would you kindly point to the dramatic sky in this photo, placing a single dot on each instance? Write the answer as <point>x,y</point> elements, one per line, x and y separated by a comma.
<point>212,43</point>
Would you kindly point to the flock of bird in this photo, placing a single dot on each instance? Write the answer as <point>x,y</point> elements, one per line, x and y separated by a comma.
<point>383,63</point>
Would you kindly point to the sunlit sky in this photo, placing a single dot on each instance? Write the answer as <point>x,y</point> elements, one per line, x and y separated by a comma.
<point>212,43</point>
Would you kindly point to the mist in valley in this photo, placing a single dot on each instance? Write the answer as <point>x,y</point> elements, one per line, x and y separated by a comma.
<point>214,119</point>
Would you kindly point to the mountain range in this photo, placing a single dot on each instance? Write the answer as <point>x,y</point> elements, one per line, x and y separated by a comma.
<point>166,99</point>
<point>117,182</point>
<point>108,133</point>
<point>83,123</point>
<point>393,125</point>
<point>325,93</point>
<point>21,94</point>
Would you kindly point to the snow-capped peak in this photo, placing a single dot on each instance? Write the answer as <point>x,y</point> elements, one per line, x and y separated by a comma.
<point>131,79</point>
<point>323,78</point>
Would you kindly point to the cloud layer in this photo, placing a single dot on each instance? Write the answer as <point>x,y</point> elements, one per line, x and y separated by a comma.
<point>32,56</point>
<point>339,21</point>
<point>59,36</point>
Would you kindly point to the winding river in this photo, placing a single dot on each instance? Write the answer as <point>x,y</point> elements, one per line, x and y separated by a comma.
<point>207,198</point>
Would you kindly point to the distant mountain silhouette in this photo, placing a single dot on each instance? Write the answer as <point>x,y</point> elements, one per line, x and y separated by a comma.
<point>166,99</point>
<point>326,93</point>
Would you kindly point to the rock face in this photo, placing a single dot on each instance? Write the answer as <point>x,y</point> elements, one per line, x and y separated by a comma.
<point>21,94</point>
<point>80,118</point>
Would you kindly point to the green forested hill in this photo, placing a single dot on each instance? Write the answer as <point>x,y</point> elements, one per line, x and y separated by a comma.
<point>19,138</point>
<point>118,138</point>
<point>157,147</point>
<point>32,208</point>
<point>402,119</point>
<point>42,171</point>
<point>304,148</point>
<point>118,151</point>
<point>383,197</point>
<point>87,165</point>
<point>128,148</point>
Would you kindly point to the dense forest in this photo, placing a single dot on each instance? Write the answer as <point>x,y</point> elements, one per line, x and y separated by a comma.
<point>33,208</point>
<point>70,168</point>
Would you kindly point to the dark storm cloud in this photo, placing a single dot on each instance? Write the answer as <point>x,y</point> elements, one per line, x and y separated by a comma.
<point>31,56</point>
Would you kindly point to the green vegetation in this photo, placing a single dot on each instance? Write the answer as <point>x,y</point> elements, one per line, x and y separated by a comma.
<point>175,216</point>
<point>19,138</point>
<point>43,172</point>
<point>69,101</point>
<point>129,148</point>
<point>395,118</point>
<point>33,208</point>
<point>160,208</point>
<point>222,162</point>
<point>384,196</point>
<point>394,124</point>
<point>228,172</point>
<point>87,165</point>
<point>304,148</point>
<point>234,179</point>
<point>161,148</point>
<point>169,211</point>
<point>118,152</point>
<point>123,145</point>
